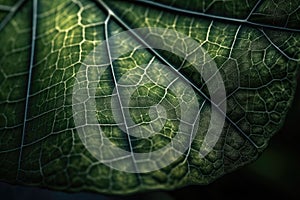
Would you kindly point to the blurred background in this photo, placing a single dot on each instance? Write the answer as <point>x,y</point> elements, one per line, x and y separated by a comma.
<point>276,175</point>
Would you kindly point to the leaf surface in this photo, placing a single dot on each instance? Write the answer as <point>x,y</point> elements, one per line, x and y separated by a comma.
<point>255,46</point>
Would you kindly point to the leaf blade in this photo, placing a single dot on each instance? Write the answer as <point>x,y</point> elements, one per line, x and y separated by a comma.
<point>53,154</point>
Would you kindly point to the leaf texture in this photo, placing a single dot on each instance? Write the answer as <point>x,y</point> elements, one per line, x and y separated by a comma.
<point>255,45</point>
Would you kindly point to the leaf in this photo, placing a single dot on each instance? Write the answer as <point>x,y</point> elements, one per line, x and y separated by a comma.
<point>44,44</point>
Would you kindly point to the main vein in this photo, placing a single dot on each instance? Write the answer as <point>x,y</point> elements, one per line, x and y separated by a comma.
<point>211,16</point>
<point>33,38</point>
<point>117,90</point>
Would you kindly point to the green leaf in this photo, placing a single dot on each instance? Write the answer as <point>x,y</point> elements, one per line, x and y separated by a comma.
<point>44,44</point>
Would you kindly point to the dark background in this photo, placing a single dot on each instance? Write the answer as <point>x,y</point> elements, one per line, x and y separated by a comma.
<point>276,175</point>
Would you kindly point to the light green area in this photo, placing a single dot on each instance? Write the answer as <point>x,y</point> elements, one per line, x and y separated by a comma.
<point>258,65</point>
